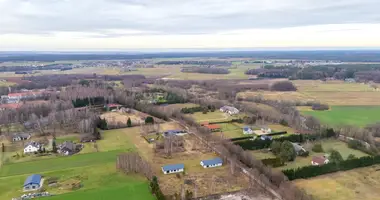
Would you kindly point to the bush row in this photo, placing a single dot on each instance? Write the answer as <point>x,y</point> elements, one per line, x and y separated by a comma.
<point>313,171</point>
<point>273,162</point>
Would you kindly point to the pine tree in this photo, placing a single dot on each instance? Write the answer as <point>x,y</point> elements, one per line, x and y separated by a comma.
<point>54,146</point>
<point>129,122</point>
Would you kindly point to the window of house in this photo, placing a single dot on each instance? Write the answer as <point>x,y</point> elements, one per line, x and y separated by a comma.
<point>33,187</point>
<point>167,171</point>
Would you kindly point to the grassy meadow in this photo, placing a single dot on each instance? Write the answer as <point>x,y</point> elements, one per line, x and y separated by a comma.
<point>347,115</point>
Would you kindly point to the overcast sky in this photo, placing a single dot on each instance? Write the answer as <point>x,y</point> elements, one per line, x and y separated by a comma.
<point>135,24</point>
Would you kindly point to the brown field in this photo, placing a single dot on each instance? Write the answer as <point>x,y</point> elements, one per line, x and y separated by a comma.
<point>195,152</point>
<point>330,92</point>
<point>362,183</point>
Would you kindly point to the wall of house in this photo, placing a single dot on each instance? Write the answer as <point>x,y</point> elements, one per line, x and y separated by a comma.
<point>30,149</point>
<point>210,166</point>
<point>172,171</point>
<point>31,187</point>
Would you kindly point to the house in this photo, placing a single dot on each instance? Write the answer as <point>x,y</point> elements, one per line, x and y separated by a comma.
<point>32,147</point>
<point>17,97</point>
<point>266,130</point>
<point>230,110</point>
<point>264,137</point>
<point>20,136</point>
<point>319,160</point>
<point>174,133</point>
<point>174,168</point>
<point>216,162</point>
<point>69,148</point>
<point>298,148</point>
<point>112,106</point>
<point>33,182</point>
<point>213,127</point>
<point>247,130</point>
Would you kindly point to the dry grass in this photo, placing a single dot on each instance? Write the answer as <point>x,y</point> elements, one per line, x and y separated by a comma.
<point>362,183</point>
<point>116,117</point>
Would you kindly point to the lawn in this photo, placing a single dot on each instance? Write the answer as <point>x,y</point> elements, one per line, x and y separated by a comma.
<point>60,163</point>
<point>232,130</point>
<point>361,183</point>
<point>216,116</point>
<point>98,182</point>
<point>347,115</point>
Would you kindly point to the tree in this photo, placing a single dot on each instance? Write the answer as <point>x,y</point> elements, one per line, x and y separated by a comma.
<point>317,148</point>
<point>129,122</point>
<point>54,146</point>
<point>149,120</point>
<point>351,157</point>
<point>287,151</point>
<point>276,147</point>
<point>335,157</point>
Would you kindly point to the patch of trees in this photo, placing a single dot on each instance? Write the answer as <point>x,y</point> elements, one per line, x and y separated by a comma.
<point>283,86</point>
<point>333,166</point>
<point>192,110</point>
<point>284,150</point>
<point>102,124</point>
<point>31,68</point>
<point>205,70</point>
<point>273,162</point>
<point>88,101</point>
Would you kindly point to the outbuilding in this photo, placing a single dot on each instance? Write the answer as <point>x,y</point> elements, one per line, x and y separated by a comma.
<point>174,168</point>
<point>247,130</point>
<point>216,162</point>
<point>33,182</point>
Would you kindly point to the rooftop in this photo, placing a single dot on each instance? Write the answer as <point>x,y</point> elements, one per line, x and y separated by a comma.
<point>173,167</point>
<point>319,159</point>
<point>212,126</point>
<point>33,179</point>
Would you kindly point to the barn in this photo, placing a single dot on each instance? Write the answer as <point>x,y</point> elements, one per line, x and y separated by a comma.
<point>174,168</point>
<point>33,182</point>
<point>216,162</point>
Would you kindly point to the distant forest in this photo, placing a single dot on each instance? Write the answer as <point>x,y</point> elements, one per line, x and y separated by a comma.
<point>345,56</point>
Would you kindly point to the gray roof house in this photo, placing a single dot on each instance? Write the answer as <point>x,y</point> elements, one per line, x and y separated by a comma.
<point>298,148</point>
<point>69,148</point>
<point>20,136</point>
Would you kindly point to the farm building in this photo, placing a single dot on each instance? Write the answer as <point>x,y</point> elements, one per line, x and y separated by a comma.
<point>298,148</point>
<point>33,182</point>
<point>174,168</point>
<point>247,130</point>
<point>20,136</point>
<point>174,132</point>
<point>319,160</point>
<point>32,147</point>
<point>230,110</point>
<point>213,127</point>
<point>264,137</point>
<point>112,106</point>
<point>216,162</point>
<point>69,148</point>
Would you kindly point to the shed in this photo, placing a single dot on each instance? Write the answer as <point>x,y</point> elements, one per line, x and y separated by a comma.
<point>216,162</point>
<point>173,168</point>
<point>33,182</point>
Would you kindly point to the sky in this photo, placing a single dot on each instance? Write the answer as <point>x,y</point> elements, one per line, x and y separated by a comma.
<point>171,24</point>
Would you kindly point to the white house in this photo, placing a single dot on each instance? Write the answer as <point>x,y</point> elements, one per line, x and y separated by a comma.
<point>230,110</point>
<point>33,182</point>
<point>175,168</point>
<point>216,162</point>
<point>247,131</point>
<point>266,130</point>
<point>319,160</point>
<point>32,147</point>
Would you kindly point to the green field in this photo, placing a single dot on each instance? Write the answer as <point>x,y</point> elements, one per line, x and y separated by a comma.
<point>347,115</point>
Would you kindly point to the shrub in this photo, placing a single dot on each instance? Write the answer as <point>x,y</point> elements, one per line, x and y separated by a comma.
<point>274,162</point>
<point>317,148</point>
<point>320,107</point>
<point>355,144</point>
<point>283,86</point>
<point>149,120</point>
<point>304,153</point>
<point>276,147</point>
<point>287,151</point>
<point>335,157</point>
<point>351,157</point>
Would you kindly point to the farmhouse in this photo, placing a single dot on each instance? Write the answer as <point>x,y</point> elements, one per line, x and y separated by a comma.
<point>20,136</point>
<point>230,110</point>
<point>32,147</point>
<point>112,106</point>
<point>174,132</point>
<point>17,97</point>
<point>213,127</point>
<point>216,162</point>
<point>319,160</point>
<point>175,168</point>
<point>33,182</point>
<point>69,148</point>
<point>247,130</point>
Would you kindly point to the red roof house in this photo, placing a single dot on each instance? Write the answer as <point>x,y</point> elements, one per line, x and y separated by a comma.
<point>213,127</point>
<point>319,160</point>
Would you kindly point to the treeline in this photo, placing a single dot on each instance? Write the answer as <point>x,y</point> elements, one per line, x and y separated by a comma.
<point>312,171</point>
<point>205,70</point>
<point>192,110</point>
<point>195,62</point>
<point>31,68</point>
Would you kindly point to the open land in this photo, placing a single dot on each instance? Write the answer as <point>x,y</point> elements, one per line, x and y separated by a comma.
<point>361,183</point>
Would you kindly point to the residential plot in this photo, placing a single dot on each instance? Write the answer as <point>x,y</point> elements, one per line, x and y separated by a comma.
<point>361,183</point>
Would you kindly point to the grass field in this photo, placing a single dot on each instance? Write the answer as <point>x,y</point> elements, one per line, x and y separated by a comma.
<point>361,183</point>
<point>350,115</point>
<point>231,130</point>
<point>216,116</point>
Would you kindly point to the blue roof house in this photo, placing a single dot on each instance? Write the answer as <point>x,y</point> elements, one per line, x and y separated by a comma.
<point>174,168</point>
<point>247,130</point>
<point>216,162</point>
<point>33,182</point>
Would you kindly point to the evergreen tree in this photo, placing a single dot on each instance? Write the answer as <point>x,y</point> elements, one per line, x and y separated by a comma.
<point>276,147</point>
<point>335,157</point>
<point>54,146</point>
<point>129,122</point>
<point>149,120</point>
<point>287,151</point>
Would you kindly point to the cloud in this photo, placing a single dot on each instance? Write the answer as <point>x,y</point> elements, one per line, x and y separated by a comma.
<point>116,18</point>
